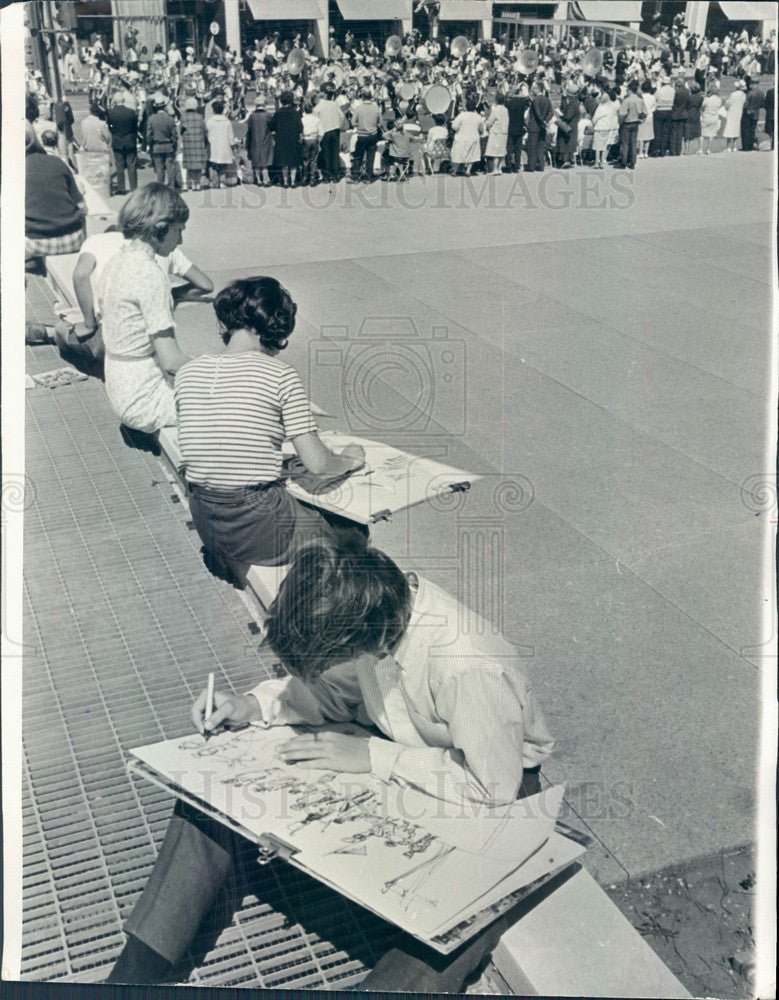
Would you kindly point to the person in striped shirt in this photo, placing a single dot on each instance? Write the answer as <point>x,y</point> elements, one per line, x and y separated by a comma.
<point>234,411</point>
<point>453,715</point>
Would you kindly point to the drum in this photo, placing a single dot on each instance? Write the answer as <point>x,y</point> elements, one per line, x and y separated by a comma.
<point>437,99</point>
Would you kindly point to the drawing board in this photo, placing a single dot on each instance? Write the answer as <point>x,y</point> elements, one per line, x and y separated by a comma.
<point>425,865</point>
<point>391,481</point>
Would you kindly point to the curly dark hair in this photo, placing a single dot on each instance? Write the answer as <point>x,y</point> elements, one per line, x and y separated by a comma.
<point>340,600</point>
<point>259,304</point>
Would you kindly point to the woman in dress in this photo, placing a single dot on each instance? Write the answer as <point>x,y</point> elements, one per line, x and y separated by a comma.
<point>194,145</point>
<point>734,106</point>
<point>468,128</point>
<point>259,141</point>
<point>437,145</point>
<point>137,310</point>
<point>646,130</point>
<point>235,410</point>
<point>287,127</point>
<point>710,118</point>
<point>692,127</point>
<point>497,127</point>
<point>605,124</point>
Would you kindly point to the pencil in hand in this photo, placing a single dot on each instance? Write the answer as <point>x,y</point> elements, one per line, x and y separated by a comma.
<point>208,711</point>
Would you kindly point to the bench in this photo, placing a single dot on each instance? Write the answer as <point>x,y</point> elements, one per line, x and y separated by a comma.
<point>571,940</point>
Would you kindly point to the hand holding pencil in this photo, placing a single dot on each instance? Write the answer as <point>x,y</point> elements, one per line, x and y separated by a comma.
<point>215,711</point>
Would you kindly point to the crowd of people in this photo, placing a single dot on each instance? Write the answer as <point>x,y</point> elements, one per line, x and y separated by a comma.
<point>411,105</point>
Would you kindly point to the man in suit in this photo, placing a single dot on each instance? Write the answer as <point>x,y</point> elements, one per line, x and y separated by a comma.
<point>540,115</point>
<point>162,138</point>
<point>754,103</point>
<point>678,116</point>
<point>516,105</point>
<point>768,104</point>
<point>122,123</point>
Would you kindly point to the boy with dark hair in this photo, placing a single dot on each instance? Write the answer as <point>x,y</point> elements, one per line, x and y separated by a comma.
<point>362,642</point>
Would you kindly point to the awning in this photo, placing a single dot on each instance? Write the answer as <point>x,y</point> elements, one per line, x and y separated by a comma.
<point>465,10</point>
<point>611,10</point>
<point>286,10</point>
<point>375,10</point>
<point>743,11</point>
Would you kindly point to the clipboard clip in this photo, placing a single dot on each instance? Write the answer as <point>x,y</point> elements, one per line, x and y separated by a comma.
<point>381,515</point>
<point>269,848</point>
<point>460,487</point>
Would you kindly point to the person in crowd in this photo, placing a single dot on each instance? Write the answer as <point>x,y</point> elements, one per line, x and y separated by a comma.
<point>55,211</point>
<point>138,329</point>
<point>753,105</point>
<point>769,107</point>
<point>539,115</point>
<point>366,119</point>
<point>692,128</point>
<point>468,128</point>
<point>310,145</point>
<point>646,130</point>
<point>436,149</point>
<point>122,121</point>
<point>734,107</point>
<point>605,124</point>
<point>332,121</point>
<point>287,128</point>
<point>497,127</point>
<point>194,143</point>
<point>259,142</point>
<point>235,410</point>
<point>517,106</point>
<point>710,118</point>
<point>95,135</point>
<point>162,140</point>
<point>678,116</point>
<point>664,102</point>
<point>630,114</point>
<point>354,633</point>
<point>568,125</point>
<point>221,143</point>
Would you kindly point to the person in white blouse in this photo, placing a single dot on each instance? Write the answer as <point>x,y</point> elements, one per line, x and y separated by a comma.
<point>452,712</point>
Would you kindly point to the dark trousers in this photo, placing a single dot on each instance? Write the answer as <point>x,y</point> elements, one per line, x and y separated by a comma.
<point>748,131</point>
<point>164,166</point>
<point>365,150</point>
<point>514,151</point>
<point>662,125</point>
<point>536,150</point>
<point>328,151</point>
<point>196,858</point>
<point>628,144</point>
<point>126,158</point>
<point>676,136</point>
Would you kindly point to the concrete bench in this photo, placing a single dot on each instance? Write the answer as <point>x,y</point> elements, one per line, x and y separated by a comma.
<point>573,941</point>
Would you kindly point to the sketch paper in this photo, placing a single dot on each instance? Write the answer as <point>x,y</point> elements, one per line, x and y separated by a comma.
<point>357,833</point>
<point>391,480</point>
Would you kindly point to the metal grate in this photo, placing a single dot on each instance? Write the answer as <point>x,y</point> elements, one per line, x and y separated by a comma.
<point>122,624</point>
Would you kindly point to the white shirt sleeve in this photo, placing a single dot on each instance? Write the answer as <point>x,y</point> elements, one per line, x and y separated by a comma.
<point>334,696</point>
<point>485,714</point>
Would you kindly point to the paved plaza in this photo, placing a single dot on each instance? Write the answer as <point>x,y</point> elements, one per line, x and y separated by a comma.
<point>596,346</point>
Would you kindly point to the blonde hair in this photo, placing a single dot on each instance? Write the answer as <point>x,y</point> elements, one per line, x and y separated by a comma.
<point>149,211</point>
